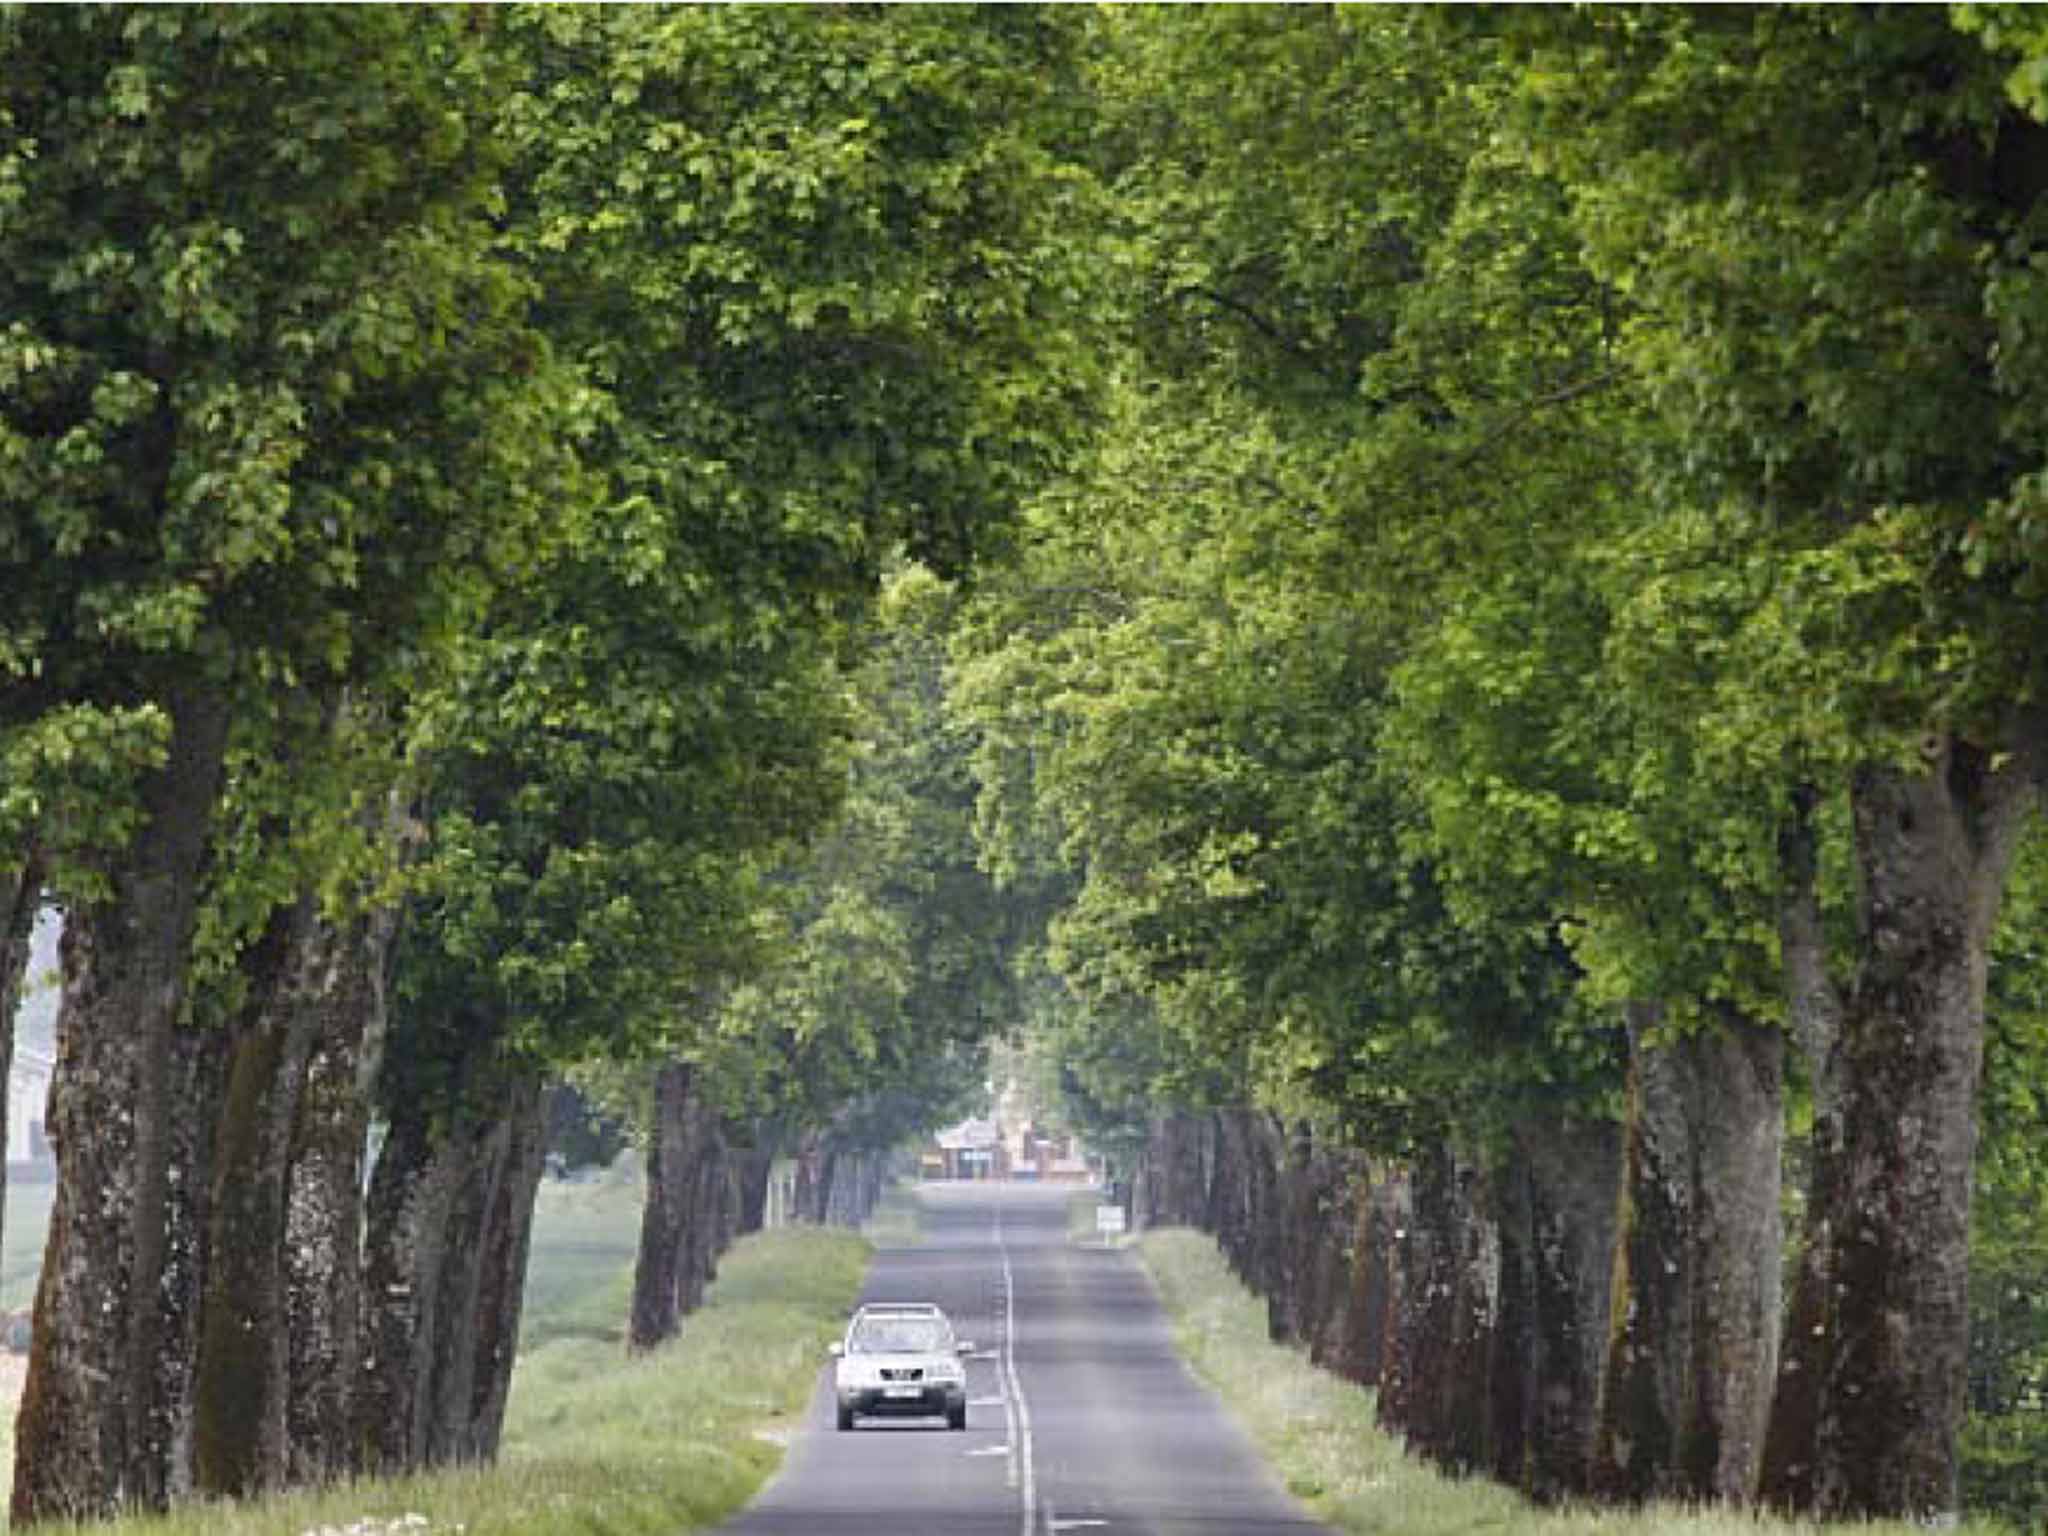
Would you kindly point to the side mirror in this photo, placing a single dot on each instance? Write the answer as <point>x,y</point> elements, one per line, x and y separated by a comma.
<point>837,1348</point>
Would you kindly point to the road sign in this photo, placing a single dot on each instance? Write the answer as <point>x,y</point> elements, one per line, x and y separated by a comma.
<point>1109,1220</point>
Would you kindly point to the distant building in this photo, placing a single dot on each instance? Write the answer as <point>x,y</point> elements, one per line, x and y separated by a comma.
<point>973,1149</point>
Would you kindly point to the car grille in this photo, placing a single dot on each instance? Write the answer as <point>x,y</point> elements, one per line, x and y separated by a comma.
<point>903,1373</point>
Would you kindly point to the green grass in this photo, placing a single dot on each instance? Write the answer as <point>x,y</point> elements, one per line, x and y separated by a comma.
<point>1318,1434</point>
<point>600,1445</point>
<point>579,1273</point>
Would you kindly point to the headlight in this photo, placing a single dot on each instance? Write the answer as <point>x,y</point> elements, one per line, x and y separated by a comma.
<point>947,1370</point>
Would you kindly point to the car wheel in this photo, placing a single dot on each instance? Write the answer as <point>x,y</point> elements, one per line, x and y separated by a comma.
<point>956,1418</point>
<point>845,1417</point>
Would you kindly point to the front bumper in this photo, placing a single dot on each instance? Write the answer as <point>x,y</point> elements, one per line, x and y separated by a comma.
<point>931,1398</point>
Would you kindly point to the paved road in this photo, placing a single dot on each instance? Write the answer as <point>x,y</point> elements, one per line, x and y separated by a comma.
<point>1080,1417</point>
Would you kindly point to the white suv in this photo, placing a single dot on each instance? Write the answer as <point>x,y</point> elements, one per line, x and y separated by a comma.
<point>901,1358</point>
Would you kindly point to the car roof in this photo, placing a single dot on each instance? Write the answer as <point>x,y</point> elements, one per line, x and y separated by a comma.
<point>912,1308</point>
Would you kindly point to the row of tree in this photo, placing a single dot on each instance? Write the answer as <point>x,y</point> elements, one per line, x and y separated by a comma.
<point>1541,677</point>
<point>1519,655</point>
<point>448,460</point>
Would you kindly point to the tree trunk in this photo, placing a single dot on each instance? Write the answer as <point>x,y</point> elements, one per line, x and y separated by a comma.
<point>1694,1348</point>
<point>481,1148</point>
<point>1359,1328</point>
<point>91,1437</point>
<point>411,1201</point>
<point>506,1241</point>
<point>1573,1177</point>
<point>674,1154</point>
<point>1404,1257</point>
<point>1891,1258</point>
<point>1465,1418</point>
<point>323,1251</point>
<point>1814,1007</point>
<point>241,1378</point>
<point>813,1175</point>
<point>756,1170</point>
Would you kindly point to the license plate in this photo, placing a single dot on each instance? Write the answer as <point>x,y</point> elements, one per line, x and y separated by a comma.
<point>903,1391</point>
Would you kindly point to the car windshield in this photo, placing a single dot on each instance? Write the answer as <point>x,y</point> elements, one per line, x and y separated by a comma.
<point>899,1336</point>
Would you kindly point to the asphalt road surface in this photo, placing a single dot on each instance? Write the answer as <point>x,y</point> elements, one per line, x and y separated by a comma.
<point>1080,1417</point>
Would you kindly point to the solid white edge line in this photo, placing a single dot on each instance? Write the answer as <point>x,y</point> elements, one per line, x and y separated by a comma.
<point>1010,1476</point>
<point>1020,1438</point>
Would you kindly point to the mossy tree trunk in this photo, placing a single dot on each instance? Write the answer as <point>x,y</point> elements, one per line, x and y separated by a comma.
<point>323,1249</point>
<point>240,1389</point>
<point>503,1243</point>
<point>675,1153</point>
<point>1885,1285</point>
<point>1465,1417</point>
<point>1359,1350</point>
<point>1572,1180</point>
<point>756,1170</point>
<point>439,1104</point>
<point>1403,1259</point>
<point>1815,1011</point>
<point>95,1433</point>
<point>1693,1348</point>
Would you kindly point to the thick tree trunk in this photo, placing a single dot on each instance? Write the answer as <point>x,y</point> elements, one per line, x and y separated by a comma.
<point>1359,1331</point>
<point>1890,1265</point>
<point>482,1149</point>
<point>505,1243</point>
<point>807,1194</point>
<point>756,1171</point>
<point>1814,1008</point>
<point>1694,1346</point>
<point>1404,1260</point>
<point>323,1250</point>
<point>1465,1417</point>
<point>1573,1177</point>
<point>240,1387</point>
<point>675,1149</point>
<point>94,1429</point>
<point>411,1202</point>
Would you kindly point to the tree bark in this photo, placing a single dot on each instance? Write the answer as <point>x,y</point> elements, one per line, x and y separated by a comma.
<point>1573,1181</point>
<point>240,1387</point>
<point>92,1432</point>
<point>1814,1007</point>
<point>1360,1330</point>
<point>411,1202</point>
<point>675,1151</point>
<point>323,1250</point>
<point>1890,1261</point>
<point>1404,1259</point>
<point>1694,1346</point>
<point>813,1178</point>
<point>505,1243</point>
<point>481,1149</point>
<point>756,1170</point>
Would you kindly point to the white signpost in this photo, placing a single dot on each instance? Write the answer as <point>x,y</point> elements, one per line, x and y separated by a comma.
<point>1109,1222</point>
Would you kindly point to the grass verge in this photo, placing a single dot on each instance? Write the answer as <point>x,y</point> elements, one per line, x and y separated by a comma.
<point>1318,1435</point>
<point>600,1445</point>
